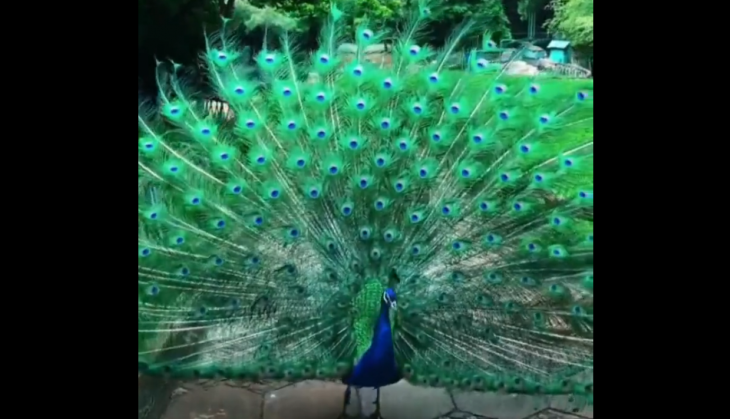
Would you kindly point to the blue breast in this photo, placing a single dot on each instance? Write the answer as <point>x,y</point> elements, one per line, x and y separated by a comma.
<point>377,367</point>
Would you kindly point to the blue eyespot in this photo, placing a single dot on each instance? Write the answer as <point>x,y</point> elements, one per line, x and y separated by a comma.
<point>417,109</point>
<point>346,210</point>
<point>320,97</point>
<point>504,177</point>
<point>484,206</point>
<point>456,245</point>
<point>465,173</point>
<point>503,115</point>
<point>174,111</point>
<point>517,206</point>
<point>538,178</point>
<point>379,205</point>
<point>220,224</point>
<point>154,290</point>
<point>423,173</point>
<point>445,210</point>
<point>314,193</point>
<point>146,252</point>
<point>334,170</point>
<point>174,169</point>
<point>324,59</point>
<point>180,240</point>
<point>557,221</point>
<point>205,131</point>
<point>403,145</point>
<point>195,201</point>
<point>363,183</point>
<point>524,148</point>
<point>148,145</point>
<point>250,124</point>
<point>499,89</point>
<point>436,137</point>
<point>568,162</point>
<point>261,160</point>
<point>287,92</point>
<point>415,218</point>
<point>321,133</point>
<point>531,246</point>
<point>258,221</point>
<point>237,189</point>
<point>380,161</point>
<point>153,216</point>
<point>294,232</point>
<point>301,162</point>
<point>274,194</point>
<point>398,186</point>
<point>239,90</point>
<point>387,83</point>
<point>185,271</point>
<point>218,261</point>
<point>292,125</point>
<point>385,124</point>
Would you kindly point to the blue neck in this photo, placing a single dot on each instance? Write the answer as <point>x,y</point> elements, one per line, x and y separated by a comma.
<point>382,326</point>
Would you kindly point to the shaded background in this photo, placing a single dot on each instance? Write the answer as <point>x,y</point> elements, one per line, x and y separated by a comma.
<point>173,29</point>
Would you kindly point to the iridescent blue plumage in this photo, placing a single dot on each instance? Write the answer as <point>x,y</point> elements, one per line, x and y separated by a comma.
<point>377,367</point>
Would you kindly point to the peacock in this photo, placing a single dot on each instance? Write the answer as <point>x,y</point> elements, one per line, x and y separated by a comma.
<point>368,223</point>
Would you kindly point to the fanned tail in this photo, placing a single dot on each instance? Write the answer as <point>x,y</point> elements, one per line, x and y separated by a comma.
<point>265,242</point>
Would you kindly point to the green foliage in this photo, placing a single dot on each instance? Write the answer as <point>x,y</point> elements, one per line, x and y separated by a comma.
<point>267,17</point>
<point>489,13</point>
<point>574,20</point>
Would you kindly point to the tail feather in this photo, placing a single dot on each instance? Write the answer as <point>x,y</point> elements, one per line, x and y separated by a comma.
<point>265,242</point>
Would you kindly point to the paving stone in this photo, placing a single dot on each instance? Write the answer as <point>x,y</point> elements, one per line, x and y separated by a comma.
<point>217,402</point>
<point>309,400</point>
<point>403,400</point>
<point>506,406</point>
<point>323,400</point>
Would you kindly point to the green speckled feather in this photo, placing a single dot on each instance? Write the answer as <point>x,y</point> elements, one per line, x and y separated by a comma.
<point>265,239</point>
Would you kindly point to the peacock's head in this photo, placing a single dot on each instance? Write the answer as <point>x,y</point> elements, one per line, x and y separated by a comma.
<point>390,298</point>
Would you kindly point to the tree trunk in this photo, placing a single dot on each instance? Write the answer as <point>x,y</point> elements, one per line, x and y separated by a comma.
<point>226,7</point>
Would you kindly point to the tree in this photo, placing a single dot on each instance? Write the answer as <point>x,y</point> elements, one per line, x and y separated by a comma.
<point>489,15</point>
<point>527,9</point>
<point>574,20</point>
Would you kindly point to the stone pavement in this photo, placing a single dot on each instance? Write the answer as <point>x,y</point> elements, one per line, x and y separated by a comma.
<point>323,400</point>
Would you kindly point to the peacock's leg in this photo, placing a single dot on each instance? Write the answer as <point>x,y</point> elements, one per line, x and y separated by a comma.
<point>376,414</point>
<point>345,403</point>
